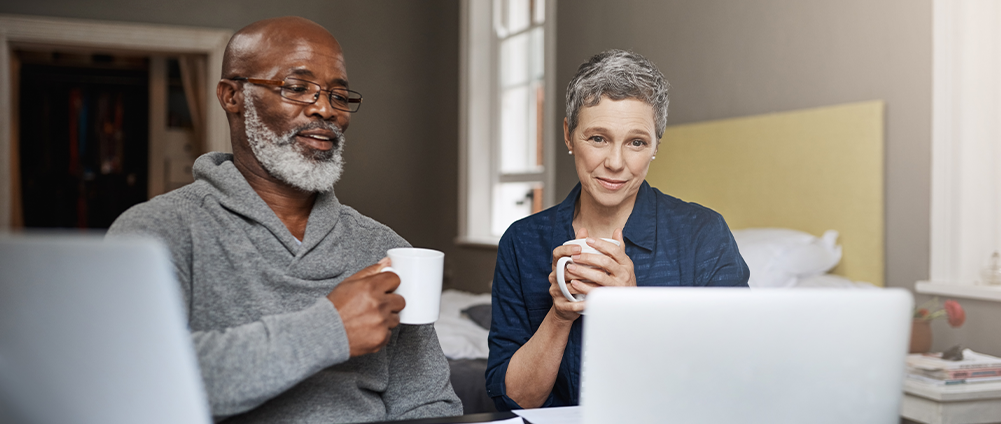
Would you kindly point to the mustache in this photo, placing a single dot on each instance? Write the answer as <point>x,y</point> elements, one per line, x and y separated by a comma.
<point>288,138</point>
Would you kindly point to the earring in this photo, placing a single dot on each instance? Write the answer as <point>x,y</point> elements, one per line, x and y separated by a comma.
<point>653,157</point>
<point>570,152</point>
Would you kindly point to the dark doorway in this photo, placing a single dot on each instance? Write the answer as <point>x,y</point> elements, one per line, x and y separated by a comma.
<point>83,137</point>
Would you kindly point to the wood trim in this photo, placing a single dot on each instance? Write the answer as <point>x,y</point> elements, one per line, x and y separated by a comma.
<point>156,181</point>
<point>114,37</point>
<point>16,206</point>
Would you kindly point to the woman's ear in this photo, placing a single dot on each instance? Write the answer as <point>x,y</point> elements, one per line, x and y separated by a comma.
<point>566,135</point>
<point>230,98</point>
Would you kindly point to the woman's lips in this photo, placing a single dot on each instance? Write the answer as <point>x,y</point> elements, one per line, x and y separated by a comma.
<point>611,184</point>
<point>317,142</point>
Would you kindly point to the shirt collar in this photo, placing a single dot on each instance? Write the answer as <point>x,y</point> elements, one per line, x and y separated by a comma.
<point>640,229</point>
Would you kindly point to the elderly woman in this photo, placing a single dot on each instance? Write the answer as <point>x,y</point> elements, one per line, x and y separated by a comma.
<point>616,114</point>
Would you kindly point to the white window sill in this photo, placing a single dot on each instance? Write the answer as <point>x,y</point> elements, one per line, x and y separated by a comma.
<point>477,241</point>
<point>968,291</point>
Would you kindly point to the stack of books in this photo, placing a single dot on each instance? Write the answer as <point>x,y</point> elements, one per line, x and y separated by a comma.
<point>973,368</point>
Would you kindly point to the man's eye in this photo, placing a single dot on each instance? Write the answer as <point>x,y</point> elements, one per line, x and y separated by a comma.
<point>338,97</point>
<point>296,88</point>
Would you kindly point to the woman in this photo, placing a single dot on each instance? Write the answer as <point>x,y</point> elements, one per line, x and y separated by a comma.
<point>616,114</point>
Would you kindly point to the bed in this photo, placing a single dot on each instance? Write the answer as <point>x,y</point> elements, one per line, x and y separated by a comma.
<point>802,192</point>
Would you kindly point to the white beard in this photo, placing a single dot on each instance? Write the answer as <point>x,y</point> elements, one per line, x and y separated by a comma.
<point>289,162</point>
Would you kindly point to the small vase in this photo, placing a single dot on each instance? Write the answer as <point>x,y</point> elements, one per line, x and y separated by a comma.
<point>920,336</point>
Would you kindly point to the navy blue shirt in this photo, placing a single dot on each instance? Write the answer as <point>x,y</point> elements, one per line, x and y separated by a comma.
<point>671,243</point>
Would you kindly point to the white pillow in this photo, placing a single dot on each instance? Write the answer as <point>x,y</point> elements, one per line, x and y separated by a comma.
<point>779,257</point>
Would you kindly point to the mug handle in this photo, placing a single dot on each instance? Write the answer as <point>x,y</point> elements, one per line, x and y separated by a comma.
<point>561,280</point>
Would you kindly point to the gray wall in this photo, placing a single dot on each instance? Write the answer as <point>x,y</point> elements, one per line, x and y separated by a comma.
<point>402,151</point>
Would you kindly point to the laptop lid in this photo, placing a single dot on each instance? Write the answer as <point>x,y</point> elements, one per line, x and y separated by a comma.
<point>93,331</point>
<point>715,355</point>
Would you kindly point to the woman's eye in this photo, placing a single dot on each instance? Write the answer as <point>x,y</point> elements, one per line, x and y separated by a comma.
<point>638,143</point>
<point>597,138</point>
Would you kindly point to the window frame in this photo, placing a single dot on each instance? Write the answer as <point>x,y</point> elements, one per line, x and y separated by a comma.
<point>479,115</point>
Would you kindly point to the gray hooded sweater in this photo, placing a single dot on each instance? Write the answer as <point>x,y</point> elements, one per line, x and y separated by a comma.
<point>270,346</point>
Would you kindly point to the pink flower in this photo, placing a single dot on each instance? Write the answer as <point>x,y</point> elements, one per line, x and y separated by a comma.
<point>955,313</point>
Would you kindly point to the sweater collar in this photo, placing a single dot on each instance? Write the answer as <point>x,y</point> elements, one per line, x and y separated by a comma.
<point>236,194</point>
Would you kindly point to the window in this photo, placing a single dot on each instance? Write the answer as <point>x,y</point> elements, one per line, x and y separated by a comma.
<point>506,115</point>
<point>966,139</point>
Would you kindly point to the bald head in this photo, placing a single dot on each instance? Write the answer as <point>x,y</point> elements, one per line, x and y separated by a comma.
<point>256,47</point>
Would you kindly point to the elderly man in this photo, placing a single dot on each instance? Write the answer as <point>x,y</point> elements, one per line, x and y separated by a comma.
<point>290,316</point>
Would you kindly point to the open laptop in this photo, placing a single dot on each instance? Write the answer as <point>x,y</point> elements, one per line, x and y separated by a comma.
<point>715,355</point>
<point>93,332</point>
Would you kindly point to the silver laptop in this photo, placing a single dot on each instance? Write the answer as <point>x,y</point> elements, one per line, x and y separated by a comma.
<point>715,355</point>
<point>93,332</point>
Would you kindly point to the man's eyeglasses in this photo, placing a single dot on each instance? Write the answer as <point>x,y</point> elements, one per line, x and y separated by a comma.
<point>308,92</point>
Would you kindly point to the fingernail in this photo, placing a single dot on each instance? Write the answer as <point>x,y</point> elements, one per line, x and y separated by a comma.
<point>590,240</point>
<point>571,267</point>
<point>575,249</point>
<point>575,257</point>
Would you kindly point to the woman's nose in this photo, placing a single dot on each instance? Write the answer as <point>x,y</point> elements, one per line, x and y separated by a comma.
<point>614,160</point>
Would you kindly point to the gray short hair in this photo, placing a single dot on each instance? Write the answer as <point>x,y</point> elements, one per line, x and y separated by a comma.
<point>618,74</point>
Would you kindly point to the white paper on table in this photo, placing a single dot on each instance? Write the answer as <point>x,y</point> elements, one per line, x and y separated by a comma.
<point>515,420</point>
<point>558,415</point>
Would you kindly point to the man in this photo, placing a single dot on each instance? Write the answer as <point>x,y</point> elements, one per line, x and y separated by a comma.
<point>288,322</point>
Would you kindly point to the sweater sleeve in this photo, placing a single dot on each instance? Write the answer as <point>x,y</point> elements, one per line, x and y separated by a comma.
<point>419,385</point>
<point>243,366</point>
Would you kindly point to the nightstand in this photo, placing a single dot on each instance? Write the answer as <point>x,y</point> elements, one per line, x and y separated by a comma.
<point>959,403</point>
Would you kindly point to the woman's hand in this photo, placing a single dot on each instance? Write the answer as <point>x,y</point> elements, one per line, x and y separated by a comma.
<point>613,268</point>
<point>564,309</point>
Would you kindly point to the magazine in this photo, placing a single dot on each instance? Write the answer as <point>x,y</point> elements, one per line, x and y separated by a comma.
<point>971,360</point>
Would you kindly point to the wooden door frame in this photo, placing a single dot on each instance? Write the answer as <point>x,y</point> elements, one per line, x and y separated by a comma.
<point>140,39</point>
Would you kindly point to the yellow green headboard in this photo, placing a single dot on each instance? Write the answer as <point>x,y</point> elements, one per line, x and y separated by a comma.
<point>811,170</point>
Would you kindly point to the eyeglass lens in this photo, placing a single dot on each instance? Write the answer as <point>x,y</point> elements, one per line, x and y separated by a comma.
<point>308,92</point>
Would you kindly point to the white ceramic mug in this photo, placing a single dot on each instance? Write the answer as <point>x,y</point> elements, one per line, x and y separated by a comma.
<point>420,272</point>
<point>562,263</point>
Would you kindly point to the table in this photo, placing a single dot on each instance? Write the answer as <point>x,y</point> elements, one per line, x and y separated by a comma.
<point>469,418</point>
<point>959,403</point>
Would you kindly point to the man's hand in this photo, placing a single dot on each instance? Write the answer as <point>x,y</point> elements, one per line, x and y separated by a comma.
<point>368,307</point>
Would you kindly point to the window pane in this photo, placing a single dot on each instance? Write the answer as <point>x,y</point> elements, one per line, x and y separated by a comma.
<point>516,15</point>
<point>537,60</point>
<point>514,66</point>
<point>539,11</point>
<point>513,201</point>
<point>518,130</point>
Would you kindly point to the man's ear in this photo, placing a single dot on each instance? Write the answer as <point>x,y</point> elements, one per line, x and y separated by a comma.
<point>230,97</point>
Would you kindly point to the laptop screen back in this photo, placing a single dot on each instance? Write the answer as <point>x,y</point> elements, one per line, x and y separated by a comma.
<point>93,331</point>
<point>712,355</point>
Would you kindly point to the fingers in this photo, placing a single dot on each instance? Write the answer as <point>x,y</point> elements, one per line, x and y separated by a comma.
<point>565,250</point>
<point>579,272</point>
<point>564,308</point>
<point>582,287</point>
<point>370,270</point>
<point>608,248</point>
<point>581,233</point>
<point>395,303</point>
<point>386,282</point>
